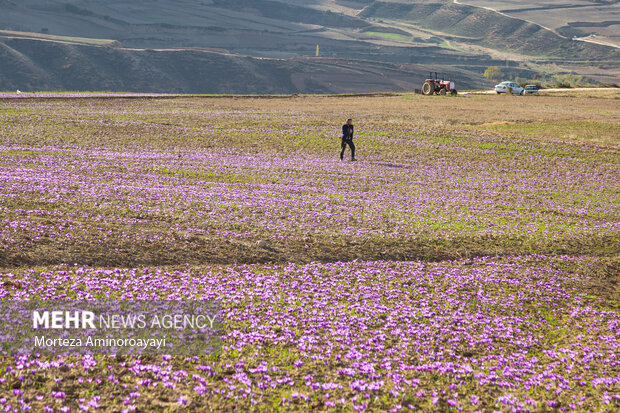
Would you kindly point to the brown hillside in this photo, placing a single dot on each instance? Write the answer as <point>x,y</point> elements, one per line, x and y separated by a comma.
<point>32,65</point>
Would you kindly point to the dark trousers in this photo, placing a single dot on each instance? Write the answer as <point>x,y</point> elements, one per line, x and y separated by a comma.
<point>346,142</point>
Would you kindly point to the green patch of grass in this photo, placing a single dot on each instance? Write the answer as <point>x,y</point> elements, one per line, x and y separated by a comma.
<point>24,152</point>
<point>392,36</point>
<point>604,112</point>
<point>210,176</point>
<point>410,96</point>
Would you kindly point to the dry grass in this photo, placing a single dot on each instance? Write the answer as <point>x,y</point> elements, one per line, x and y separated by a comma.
<point>606,93</point>
<point>578,116</point>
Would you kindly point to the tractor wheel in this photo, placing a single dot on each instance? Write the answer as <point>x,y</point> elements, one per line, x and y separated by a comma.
<point>454,92</point>
<point>428,88</point>
<point>442,91</point>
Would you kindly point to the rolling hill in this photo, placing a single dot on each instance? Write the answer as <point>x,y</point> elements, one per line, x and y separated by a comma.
<point>593,21</point>
<point>488,28</point>
<point>34,65</point>
<point>265,46</point>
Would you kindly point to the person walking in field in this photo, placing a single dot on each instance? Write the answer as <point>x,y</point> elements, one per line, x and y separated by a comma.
<point>347,139</point>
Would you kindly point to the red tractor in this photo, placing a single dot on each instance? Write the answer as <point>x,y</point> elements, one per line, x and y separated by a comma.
<point>435,85</point>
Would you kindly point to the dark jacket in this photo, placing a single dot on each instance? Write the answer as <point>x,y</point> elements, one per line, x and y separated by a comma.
<point>347,132</point>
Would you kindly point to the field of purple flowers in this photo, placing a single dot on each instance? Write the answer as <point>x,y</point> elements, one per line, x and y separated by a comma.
<point>445,270</point>
<point>167,182</point>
